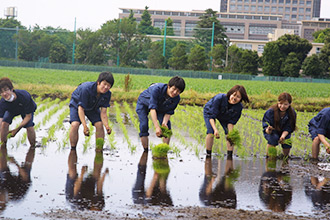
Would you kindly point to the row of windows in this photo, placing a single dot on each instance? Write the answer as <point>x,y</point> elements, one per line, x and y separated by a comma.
<point>234,8</point>
<point>287,2</point>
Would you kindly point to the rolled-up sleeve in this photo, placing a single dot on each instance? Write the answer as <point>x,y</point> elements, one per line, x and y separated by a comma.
<point>268,118</point>
<point>155,93</point>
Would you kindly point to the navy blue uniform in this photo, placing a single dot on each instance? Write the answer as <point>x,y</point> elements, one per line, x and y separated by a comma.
<point>219,108</point>
<point>22,105</point>
<point>320,124</point>
<point>285,125</point>
<point>155,97</point>
<point>86,96</point>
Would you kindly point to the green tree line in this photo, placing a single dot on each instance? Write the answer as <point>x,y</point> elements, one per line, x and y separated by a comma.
<point>125,42</point>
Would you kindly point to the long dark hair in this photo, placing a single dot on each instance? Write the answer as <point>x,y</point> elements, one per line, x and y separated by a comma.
<point>281,98</point>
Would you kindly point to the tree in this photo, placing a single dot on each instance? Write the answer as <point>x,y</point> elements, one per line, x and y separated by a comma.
<point>169,28</point>
<point>313,67</point>
<point>131,46</point>
<point>203,31</point>
<point>218,54</point>
<point>271,59</point>
<point>291,65</point>
<point>58,53</point>
<point>197,58</point>
<point>89,48</point>
<point>321,36</point>
<point>249,62</point>
<point>234,57</point>
<point>179,59</point>
<point>325,57</point>
<point>145,25</point>
<point>156,58</point>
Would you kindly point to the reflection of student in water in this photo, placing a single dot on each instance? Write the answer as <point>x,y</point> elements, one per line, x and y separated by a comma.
<point>85,192</point>
<point>318,189</point>
<point>14,187</point>
<point>156,193</point>
<point>223,194</point>
<point>274,189</point>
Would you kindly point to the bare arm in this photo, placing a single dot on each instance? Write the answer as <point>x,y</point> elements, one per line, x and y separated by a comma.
<point>166,119</point>
<point>104,119</point>
<point>324,141</point>
<point>81,113</point>
<point>26,119</point>
<point>216,132</point>
<point>153,114</point>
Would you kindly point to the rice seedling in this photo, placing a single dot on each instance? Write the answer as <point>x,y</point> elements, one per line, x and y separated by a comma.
<point>234,138</point>
<point>166,133</point>
<point>161,167</point>
<point>160,150</point>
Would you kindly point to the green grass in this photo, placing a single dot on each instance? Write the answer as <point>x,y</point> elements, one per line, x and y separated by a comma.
<point>61,83</point>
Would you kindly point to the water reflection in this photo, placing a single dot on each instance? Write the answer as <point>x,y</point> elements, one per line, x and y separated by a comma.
<point>14,185</point>
<point>275,190</point>
<point>156,193</point>
<point>216,191</point>
<point>318,190</point>
<point>85,191</point>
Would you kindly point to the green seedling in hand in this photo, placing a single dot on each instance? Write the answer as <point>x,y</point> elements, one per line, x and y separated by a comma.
<point>166,133</point>
<point>234,138</point>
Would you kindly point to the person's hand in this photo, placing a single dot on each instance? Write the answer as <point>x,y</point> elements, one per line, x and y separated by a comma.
<point>13,132</point>
<point>216,134</point>
<point>269,129</point>
<point>108,130</point>
<point>281,140</point>
<point>328,150</point>
<point>159,132</point>
<point>165,125</point>
<point>86,131</point>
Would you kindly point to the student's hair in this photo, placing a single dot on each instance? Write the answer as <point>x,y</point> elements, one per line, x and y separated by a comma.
<point>241,90</point>
<point>6,83</point>
<point>281,98</point>
<point>107,76</point>
<point>178,82</point>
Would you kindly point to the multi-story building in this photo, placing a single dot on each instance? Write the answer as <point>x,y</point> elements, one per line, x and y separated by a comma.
<point>292,10</point>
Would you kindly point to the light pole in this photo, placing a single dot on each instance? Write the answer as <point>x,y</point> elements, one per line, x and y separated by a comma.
<point>227,46</point>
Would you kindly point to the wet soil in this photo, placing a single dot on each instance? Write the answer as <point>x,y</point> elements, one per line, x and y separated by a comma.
<point>123,182</point>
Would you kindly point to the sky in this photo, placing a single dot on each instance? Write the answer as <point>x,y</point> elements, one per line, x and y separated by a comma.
<point>92,14</point>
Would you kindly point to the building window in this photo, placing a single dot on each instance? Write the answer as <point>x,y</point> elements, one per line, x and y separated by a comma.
<point>259,8</point>
<point>273,9</point>
<point>267,1</point>
<point>246,7</point>
<point>239,7</point>
<point>301,17</point>
<point>280,9</point>
<point>266,9</point>
<point>253,8</point>
<point>246,0</point>
<point>293,16</point>
<point>294,2</point>
<point>301,10</point>
<point>287,9</point>
<point>260,0</point>
<point>233,29</point>
<point>294,9</point>
<point>288,2</point>
<point>232,7</point>
<point>307,17</point>
<point>261,48</point>
<point>309,3</point>
<point>280,1</point>
<point>253,1</point>
<point>245,46</point>
<point>301,2</point>
<point>308,9</point>
<point>287,17</point>
<point>274,1</point>
<point>259,30</point>
<point>318,50</point>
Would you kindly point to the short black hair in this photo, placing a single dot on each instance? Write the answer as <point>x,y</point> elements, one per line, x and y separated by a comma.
<point>5,83</point>
<point>107,76</point>
<point>178,82</point>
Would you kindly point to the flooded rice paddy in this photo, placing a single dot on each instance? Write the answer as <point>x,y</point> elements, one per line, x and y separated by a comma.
<point>123,179</point>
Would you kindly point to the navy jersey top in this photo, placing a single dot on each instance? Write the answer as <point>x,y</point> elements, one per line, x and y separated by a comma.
<point>155,97</point>
<point>85,96</point>
<point>23,104</point>
<point>322,122</point>
<point>219,108</point>
<point>285,124</point>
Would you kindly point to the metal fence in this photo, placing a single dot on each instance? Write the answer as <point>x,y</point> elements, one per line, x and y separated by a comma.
<point>158,72</point>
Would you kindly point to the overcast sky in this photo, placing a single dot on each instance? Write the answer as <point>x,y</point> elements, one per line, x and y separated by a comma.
<point>92,14</point>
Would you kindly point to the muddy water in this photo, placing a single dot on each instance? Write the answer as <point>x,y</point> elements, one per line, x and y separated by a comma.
<point>37,180</point>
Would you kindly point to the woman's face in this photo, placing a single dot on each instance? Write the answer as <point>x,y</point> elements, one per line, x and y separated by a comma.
<point>283,105</point>
<point>235,98</point>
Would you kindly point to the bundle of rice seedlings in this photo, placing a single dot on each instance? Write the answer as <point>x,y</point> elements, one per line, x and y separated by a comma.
<point>272,152</point>
<point>161,167</point>
<point>160,150</point>
<point>166,132</point>
<point>234,138</point>
<point>287,142</point>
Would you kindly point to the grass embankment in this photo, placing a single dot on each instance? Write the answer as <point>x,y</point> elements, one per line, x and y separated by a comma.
<point>61,83</point>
